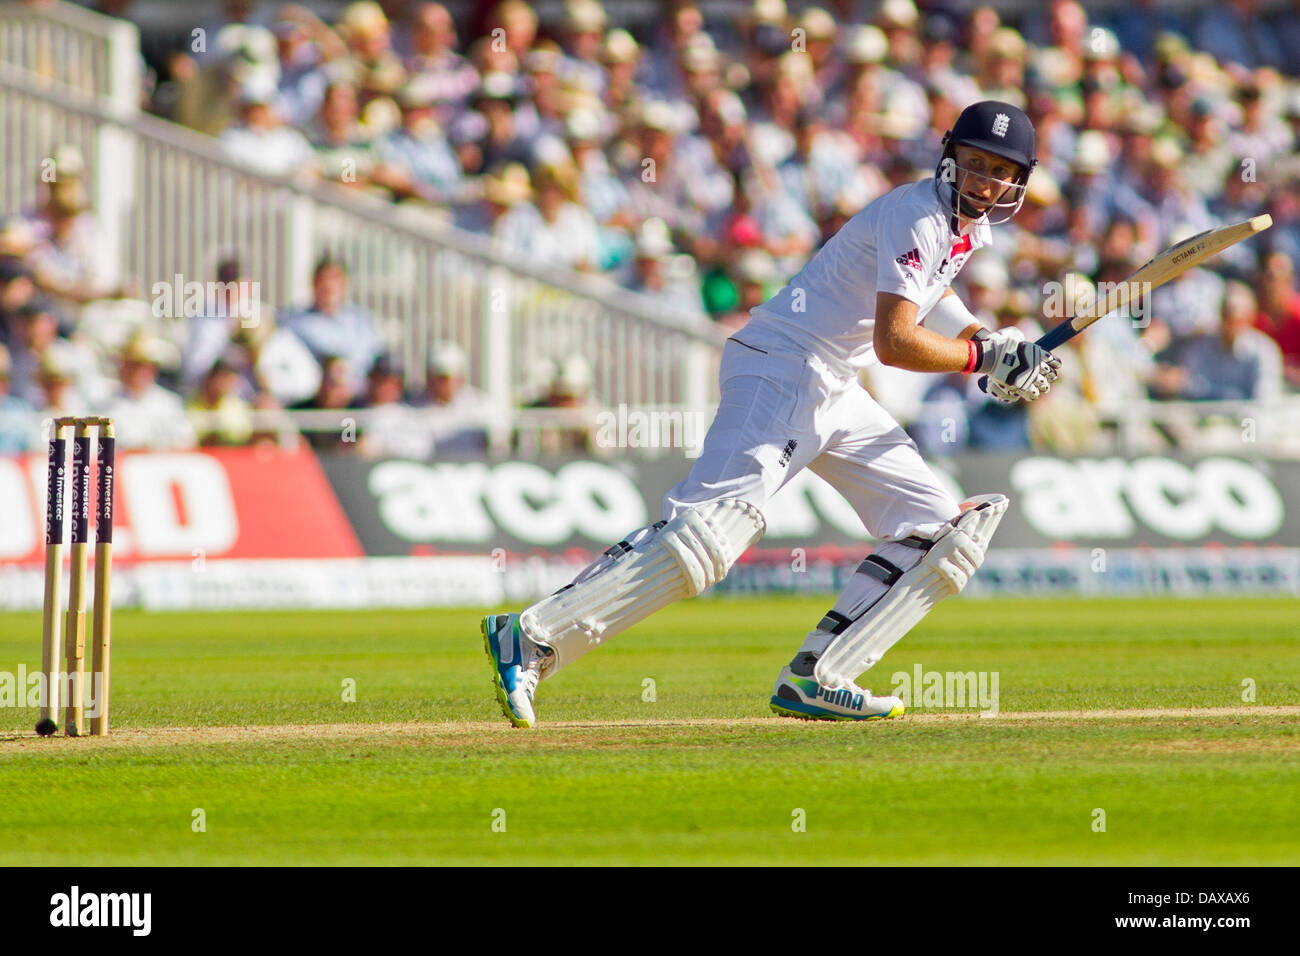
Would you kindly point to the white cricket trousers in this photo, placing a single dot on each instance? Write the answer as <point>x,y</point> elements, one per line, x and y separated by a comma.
<point>781,412</point>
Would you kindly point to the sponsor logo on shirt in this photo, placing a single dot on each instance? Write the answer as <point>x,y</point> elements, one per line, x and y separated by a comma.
<point>911,259</point>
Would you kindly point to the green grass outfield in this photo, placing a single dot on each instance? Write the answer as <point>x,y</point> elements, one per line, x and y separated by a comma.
<point>241,716</point>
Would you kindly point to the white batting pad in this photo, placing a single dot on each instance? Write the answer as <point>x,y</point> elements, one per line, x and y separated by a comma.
<point>952,556</point>
<point>653,568</point>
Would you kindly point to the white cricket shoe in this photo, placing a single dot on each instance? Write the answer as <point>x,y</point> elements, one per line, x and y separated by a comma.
<point>805,698</point>
<point>516,666</point>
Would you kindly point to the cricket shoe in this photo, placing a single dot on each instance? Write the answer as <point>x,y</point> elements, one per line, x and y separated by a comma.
<point>805,698</point>
<point>516,666</point>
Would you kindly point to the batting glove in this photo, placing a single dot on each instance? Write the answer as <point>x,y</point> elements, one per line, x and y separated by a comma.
<point>1017,369</point>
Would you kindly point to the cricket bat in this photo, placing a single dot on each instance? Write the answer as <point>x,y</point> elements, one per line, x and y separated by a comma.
<point>1165,267</point>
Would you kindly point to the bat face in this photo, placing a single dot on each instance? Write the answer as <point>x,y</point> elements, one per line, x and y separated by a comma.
<point>1176,260</point>
<point>1167,266</point>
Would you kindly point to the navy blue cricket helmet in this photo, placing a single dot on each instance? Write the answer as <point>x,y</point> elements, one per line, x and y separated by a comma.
<point>998,128</point>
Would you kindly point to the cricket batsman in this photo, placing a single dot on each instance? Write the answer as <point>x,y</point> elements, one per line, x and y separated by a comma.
<point>879,290</point>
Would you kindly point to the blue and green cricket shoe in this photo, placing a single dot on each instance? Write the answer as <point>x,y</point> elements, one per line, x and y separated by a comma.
<point>516,666</point>
<point>805,698</point>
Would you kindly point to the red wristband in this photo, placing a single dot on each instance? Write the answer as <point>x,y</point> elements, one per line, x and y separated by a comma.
<point>973,362</point>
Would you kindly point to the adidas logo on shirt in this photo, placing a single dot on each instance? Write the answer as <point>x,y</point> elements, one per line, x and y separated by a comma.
<point>911,259</point>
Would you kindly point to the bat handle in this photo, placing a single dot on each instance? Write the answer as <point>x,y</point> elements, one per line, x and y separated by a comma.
<point>1058,336</point>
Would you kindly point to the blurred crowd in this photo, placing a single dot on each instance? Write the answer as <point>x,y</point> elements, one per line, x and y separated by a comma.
<point>701,160</point>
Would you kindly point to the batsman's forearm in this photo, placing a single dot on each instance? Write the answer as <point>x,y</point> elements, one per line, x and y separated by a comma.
<point>920,350</point>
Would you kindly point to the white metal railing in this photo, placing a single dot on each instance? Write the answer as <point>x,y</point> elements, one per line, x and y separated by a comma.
<point>1243,427</point>
<point>74,49</point>
<point>169,203</point>
<point>678,431</point>
<point>654,432</point>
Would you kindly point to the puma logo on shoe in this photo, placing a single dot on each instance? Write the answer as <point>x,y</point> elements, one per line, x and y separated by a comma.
<point>841,698</point>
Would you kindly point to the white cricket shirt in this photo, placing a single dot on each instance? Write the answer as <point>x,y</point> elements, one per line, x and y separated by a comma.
<point>900,243</point>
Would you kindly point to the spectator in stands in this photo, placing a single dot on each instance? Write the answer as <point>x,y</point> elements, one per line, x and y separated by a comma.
<point>772,137</point>
<point>1279,311</point>
<point>658,274</point>
<point>384,385</point>
<point>36,339</point>
<point>434,61</point>
<point>1239,199</point>
<point>305,46</point>
<point>345,152</point>
<point>518,23</point>
<point>332,326</point>
<point>604,195</point>
<point>498,139</point>
<point>391,427</point>
<point>569,388</point>
<point>272,365</point>
<point>1261,134</point>
<point>1236,361</point>
<point>417,161</point>
<point>58,388</point>
<point>941,39</point>
<point>1178,207</point>
<point>584,36</point>
<point>677,180</point>
<point>64,257</point>
<point>232,13</point>
<point>17,284</point>
<point>567,234</point>
<point>206,96</point>
<point>456,415</point>
<point>788,233</point>
<point>503,188</point>
<point>336,393</point>
<point>220,416</point>
<point>260,140</point>
<point>378,70</point>
<point>755,274</point>
<point>724,124</point>
<point>211,335</point>
<point>1209,157</point>
<point>539,115</point>
<point>15,413</point>
<point>276,368</point>
<point>819,33</point>
<point>701,65</point>
<point>622,58</point>
<point>145,414</point>
<point>336,389</point>
<point>824,164</point>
